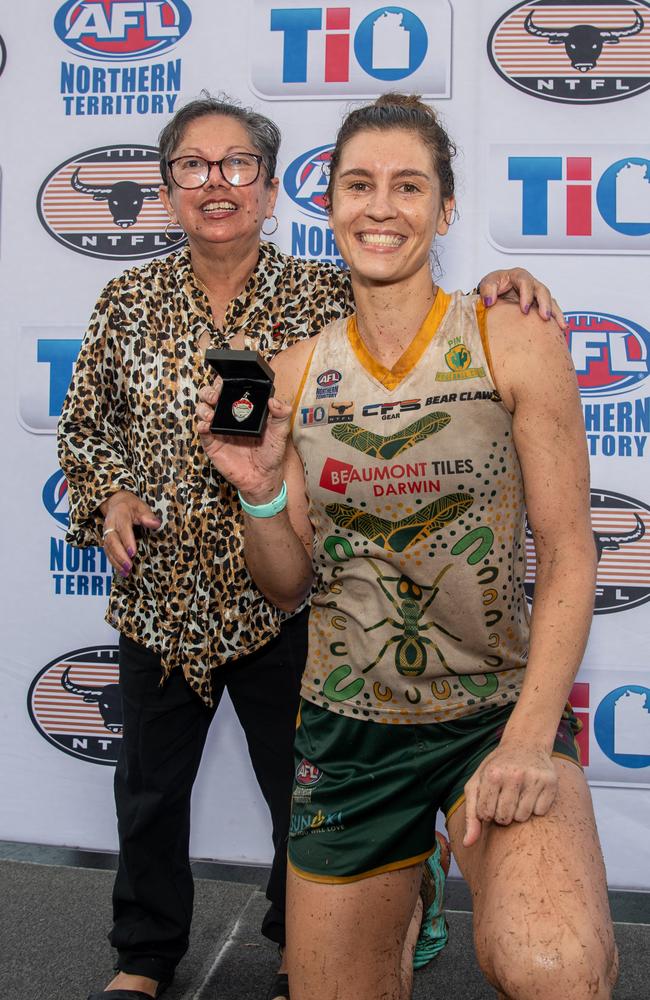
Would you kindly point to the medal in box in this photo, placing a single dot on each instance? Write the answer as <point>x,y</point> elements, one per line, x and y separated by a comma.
<point>247,388</point>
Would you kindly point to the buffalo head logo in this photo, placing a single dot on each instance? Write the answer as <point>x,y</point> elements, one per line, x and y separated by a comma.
<point>612,543</point>
<point>124,198</point>
<point>107,699</point>
<point>583,42</point>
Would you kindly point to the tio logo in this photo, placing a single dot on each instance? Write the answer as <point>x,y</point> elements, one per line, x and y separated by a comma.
<point>622,726</point>
<point>615,194</point>
<point>389,44</point>
<point>46,359</point>
<point>350,51</point>
<point>583,199</point>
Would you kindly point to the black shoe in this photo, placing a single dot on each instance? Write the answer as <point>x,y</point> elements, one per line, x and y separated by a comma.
<point>129,994</point>
<point>279,988</point>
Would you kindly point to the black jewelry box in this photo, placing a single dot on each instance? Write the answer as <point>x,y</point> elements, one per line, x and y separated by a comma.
<point>247,387</point>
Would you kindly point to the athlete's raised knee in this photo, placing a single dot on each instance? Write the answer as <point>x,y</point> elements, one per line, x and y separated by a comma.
<point>563,963</point>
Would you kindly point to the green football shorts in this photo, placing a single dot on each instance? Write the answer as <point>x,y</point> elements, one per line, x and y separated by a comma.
<point>366,795</point>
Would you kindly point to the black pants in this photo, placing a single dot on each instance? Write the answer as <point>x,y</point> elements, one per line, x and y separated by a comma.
<point>165,728</point>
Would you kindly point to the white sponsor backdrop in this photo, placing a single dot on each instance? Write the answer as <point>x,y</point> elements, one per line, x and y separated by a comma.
<point>560,186</point>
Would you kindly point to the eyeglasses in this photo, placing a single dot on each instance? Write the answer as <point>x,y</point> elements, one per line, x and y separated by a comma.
<point>238,169</point>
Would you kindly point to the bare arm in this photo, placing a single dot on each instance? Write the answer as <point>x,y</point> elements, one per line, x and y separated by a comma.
<point>537,381</point>
<point>277,548</point>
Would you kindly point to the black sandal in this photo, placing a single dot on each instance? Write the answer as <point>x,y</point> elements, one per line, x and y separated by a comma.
<point>130,994</point>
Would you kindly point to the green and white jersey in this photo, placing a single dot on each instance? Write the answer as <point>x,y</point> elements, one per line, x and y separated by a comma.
<point>417,501</point>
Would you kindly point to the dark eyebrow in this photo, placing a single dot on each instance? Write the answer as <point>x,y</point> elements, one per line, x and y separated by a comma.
<point>408,172</point>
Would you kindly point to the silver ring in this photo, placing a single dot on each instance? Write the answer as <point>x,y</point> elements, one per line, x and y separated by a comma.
<point>108,531</point>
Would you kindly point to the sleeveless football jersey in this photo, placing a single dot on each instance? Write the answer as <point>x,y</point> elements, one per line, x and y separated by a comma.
<point>417,502</point>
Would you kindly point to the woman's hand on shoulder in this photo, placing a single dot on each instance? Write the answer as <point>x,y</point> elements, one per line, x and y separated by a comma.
<point>517,284</point>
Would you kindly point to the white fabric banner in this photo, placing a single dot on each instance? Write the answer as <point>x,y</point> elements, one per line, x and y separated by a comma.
<point>552,173</point>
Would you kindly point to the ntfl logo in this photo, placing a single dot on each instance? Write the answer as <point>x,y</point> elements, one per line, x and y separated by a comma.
<point>610,353</point>
<point>575,53</point>
<point>301,51</point>
<point>621,527</point>
<point>74,703</point>
<point>104,203</point>
<point>121,30</point>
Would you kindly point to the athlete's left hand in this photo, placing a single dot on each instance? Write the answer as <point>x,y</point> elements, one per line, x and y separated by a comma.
<point>512,783</point>
<point>520,285</point>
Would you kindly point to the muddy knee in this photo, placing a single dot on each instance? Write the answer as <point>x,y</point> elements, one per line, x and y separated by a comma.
<point>564,964</point>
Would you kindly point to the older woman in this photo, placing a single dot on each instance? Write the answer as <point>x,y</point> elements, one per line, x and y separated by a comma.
<point>427,685</point>
<point>140,485</point>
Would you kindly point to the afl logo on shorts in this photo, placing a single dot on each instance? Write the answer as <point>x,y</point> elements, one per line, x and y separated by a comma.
<point>306,180</point>
<point>610,353</point>
<point>75,704</point>
<point>307,774</point>
<point>115,30</point>
<point>621,527</point>
<point>576,52</point>
<point>104,203</point>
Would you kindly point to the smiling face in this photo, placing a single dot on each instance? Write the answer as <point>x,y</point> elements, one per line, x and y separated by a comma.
<point>219,213</point>
<point>386,206</point>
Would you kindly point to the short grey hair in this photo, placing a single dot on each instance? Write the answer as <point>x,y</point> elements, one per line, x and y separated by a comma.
<point>263,133</point>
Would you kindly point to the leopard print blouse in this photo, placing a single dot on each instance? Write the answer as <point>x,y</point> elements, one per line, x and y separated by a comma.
<point>128,422</point>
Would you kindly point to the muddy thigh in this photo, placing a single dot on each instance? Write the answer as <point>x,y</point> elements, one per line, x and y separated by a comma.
<point>542,926</point>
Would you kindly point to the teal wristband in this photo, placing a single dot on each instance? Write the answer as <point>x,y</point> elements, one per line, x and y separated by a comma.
<point>269,509</point>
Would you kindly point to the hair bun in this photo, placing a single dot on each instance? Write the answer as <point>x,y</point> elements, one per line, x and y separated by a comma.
<point>410,102</point>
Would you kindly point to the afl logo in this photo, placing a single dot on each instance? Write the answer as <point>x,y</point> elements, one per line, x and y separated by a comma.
<point>121,30</point>
<point>306,180</point>
<point>610,353</point>
<point>74,702</point>
<point>55,498</point>
<point>307,774</point>
<point>580,52</point>
<point>104,203</point>
<point>621,527</point>
<point>330,377</point>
